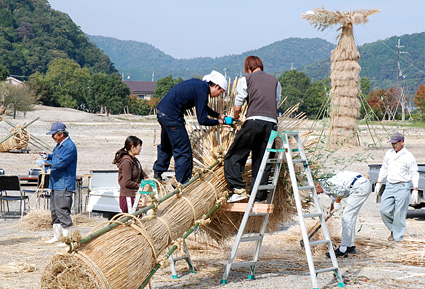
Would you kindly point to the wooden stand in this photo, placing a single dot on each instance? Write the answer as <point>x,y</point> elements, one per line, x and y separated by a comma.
<point>241,207</point>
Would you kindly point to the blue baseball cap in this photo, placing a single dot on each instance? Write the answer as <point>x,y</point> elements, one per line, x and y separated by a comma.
<point>57,126</point>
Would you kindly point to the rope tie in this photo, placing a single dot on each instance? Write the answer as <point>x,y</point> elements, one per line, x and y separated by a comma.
<point>179,244</point>
<point>166,226</point>
<point>214,189</point>
<point>191,205</point>
<point>153,200</point>
<point>93,266</point>
<point>203,221</point>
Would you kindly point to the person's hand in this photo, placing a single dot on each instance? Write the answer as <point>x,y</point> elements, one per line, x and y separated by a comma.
<point>40,163</point>
<point>415,196</point>
<point>377,188</point>
<point>337,206</point>
<point>228,120</point>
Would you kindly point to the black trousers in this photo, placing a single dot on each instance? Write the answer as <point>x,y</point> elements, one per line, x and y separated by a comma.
<point>253,137</point>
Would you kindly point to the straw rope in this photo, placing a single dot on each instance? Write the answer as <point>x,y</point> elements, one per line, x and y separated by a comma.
<point>166,225</point>
<point>99,274</point>
<point>19,140</point>
<point>191,205</point>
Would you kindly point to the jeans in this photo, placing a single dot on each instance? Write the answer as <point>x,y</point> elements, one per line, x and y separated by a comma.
<point>174,143</point>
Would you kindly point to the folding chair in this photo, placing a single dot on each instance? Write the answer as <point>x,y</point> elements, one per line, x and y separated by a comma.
<point>2,172</point>
<point>8,184</point>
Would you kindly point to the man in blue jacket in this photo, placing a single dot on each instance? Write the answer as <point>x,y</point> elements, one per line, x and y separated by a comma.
<point>192,93</point>
<point>62,182</point>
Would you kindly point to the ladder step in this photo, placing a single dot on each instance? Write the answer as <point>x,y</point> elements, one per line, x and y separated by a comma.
<point>299,161</point>
<point>175,259</point>
<point>326,270</point>
<point>305,188</point>
<point>274,161</point>
<point>265,187</point>
<point>251,238</point>
<point>259,214</point>
<point>320,242</point>
<point>312,215</point>
<point>244,264</point>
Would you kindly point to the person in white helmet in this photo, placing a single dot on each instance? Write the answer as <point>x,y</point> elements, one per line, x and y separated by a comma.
<point>192,93</point>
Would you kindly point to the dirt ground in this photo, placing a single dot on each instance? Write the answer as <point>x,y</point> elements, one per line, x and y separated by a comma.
<point>378,264</point>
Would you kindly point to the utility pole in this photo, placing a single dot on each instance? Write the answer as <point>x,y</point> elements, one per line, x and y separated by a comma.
<point>401,96</point>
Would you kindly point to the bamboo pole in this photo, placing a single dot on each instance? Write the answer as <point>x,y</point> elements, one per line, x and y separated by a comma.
<point>9,135</point>
<point>190,231</point>
<point>36,140</point>
<point>141,211</point>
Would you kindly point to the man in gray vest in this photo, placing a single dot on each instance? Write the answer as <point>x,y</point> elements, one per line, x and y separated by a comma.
<point>262,92</point>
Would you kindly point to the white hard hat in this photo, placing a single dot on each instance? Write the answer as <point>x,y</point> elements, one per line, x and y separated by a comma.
<point>217,78</point>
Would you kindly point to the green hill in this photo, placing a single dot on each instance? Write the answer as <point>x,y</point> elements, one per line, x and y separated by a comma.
<point>139,59</point>
<point>32,34</point>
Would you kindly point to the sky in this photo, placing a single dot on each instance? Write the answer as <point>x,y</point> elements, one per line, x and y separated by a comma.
<point>214,28</point>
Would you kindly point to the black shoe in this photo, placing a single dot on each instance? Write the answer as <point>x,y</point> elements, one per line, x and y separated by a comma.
<point>338,253</point>
<point>352,250</point>
<point>157,176</point>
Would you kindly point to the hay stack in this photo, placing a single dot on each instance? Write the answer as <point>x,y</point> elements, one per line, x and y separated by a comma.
<point>345,91</point>
<point>19,140</point>
<point>124,256</point>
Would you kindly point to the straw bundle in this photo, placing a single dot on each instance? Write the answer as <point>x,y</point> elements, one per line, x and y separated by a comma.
<point>19,140</point>
<point>344,73</point>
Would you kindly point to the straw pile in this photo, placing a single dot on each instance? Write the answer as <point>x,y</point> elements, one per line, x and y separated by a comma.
<point>124,256</point>
<point>345,91</point>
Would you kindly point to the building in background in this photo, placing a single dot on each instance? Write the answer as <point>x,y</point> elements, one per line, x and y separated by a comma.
<point>142,89</point>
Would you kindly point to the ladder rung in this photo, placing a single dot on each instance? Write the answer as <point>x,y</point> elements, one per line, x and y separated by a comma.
<point>292,133</point>
<point>243,264</point>
<point>312,215</point>
<point>175,259</point>
<point>306,188</point>
<point>265,187</point>
<point>320,242</point>
<point>251,238</point>
<point>326,270</point>
<point>274,161</point>
<point>299,161</point>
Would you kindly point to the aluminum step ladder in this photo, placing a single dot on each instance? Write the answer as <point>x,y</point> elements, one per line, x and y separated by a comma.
<point>294,156</point>
<point>276,164</point>
<point>185,255</point>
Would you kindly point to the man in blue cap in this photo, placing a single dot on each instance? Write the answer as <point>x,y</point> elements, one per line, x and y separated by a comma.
<point>399,167</point>
<point>62,182</point>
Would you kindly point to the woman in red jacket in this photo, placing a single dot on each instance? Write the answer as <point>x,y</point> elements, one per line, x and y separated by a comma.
<point>130,172</point>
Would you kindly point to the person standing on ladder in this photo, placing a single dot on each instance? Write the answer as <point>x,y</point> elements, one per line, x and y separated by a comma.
<point>356,189</point>
<point>170,114</point>
<point>262,92</point>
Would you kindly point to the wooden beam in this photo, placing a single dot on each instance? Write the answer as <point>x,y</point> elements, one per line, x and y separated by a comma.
<point>241,207</point>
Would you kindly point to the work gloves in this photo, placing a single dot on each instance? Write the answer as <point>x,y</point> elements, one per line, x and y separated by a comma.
<point>40,163</point>
<point>377,188</point>
<point>337,206</point>
<point>43,155</point>
<point>414,197</point>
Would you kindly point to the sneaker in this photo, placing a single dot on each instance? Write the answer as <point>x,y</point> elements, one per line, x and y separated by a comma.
<point>352,250</point>
<point>338,253</point>
<point>237,195</point>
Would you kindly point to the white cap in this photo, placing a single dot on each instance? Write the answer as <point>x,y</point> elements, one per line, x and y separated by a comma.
<point>217,78</point>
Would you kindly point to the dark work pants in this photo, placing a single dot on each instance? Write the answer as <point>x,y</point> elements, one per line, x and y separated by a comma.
<point>60,207</point>
<point>174,143</point>
<point>253,137</point>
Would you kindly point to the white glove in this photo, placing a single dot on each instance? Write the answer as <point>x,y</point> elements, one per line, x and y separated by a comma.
<point>414,197</point>
<point>337,206</point>
<point>377,187</point>
<point>43,155</point>
<point>40,163</point>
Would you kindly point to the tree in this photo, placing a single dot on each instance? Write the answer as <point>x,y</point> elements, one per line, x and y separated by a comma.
<point>420,99</point>
<point>18,98</point>
<point>164,85</point>
<point>4,72</point>
<point>384,102</point>
<point>315,96</point>
<point>138,106</point>
<point>294,85</point>
<point>108,94</point>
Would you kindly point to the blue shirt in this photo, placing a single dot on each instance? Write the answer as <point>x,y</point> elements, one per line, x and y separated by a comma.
<point>63,166</point>
<point>186,95</point>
